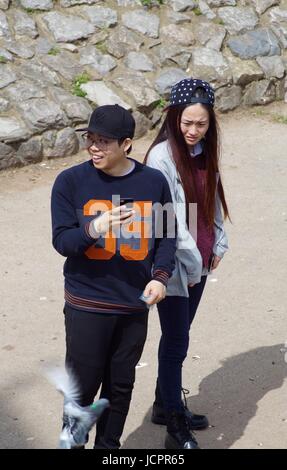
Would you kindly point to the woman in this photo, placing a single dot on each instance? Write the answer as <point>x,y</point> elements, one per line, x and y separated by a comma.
<point>186,152</point>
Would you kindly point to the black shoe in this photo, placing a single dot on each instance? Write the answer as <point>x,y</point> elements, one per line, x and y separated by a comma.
<point>195,422</point>
<point>178,434</point>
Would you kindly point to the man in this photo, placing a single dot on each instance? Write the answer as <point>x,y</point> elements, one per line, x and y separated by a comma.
<point>103,223</point>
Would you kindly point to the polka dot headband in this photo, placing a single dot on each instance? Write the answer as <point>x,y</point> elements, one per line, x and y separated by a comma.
<point>183,92</point>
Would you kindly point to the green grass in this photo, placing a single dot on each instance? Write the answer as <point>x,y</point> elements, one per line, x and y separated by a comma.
<point>54,51</point>
<point>149,3</point>
<point>197,11</point>
<point>161,103</point>
<point>102,47</point>
<point>259,112</point>
<point>273,117</point>
<point>218,21</point>
<point>3,59</point>
<point>31,11</point>
<point>280,119</point>
<point>77,82</point>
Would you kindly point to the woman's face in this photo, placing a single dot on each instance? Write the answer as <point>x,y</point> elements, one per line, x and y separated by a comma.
<point>194,123</point>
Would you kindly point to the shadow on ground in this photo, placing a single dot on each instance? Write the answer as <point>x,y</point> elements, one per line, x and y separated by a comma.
<point>229,396</point>
<point>27,408</point>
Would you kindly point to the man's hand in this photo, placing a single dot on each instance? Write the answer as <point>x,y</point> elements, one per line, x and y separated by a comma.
<point>112,219</point>
<point>156,291</point>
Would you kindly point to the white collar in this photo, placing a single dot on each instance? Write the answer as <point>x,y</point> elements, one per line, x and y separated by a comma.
<point>197,149</point>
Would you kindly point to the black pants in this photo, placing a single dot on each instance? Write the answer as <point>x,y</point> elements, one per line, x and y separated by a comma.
<point>176,315</point>
<point>103,350</point>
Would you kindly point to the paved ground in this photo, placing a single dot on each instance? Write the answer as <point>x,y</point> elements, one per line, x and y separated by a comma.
<point>237,367</point>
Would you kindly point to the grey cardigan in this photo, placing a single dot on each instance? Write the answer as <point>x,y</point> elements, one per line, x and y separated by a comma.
<point>188,262</point>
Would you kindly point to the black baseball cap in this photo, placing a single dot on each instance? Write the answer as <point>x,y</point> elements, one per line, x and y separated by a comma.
<point>184,92</point>
<point>113,121</point>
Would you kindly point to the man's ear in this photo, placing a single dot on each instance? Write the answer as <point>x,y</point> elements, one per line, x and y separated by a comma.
<point>127,144</point>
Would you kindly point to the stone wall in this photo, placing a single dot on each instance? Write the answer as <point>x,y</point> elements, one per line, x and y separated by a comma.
<point>61,58</point>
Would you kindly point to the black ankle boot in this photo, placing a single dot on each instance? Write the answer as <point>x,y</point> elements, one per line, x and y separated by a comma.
<point>195,422</point>
<point>178,434</point>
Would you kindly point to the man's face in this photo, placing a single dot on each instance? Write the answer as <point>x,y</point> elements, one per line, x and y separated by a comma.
<point>106,153</point>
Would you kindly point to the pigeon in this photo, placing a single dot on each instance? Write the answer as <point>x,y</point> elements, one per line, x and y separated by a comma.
<point>78,420</point>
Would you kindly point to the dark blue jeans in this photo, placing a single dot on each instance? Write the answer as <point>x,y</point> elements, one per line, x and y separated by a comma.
<point>176,315</point>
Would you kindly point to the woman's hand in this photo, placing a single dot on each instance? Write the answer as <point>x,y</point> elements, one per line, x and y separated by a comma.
<point>215,262</point>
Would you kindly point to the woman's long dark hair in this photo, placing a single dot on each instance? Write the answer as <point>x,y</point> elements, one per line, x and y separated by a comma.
<point>171,131</point>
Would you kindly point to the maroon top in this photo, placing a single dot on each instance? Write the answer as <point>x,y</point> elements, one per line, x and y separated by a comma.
<point>205,234</point>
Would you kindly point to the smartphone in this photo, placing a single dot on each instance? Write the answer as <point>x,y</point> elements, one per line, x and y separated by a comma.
<point>144,299</point>
<point>126,201</point>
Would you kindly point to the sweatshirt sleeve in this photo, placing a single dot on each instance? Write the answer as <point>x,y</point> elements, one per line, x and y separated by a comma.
<point>221,241</point>
<point>187,252</point>
<point>69,237</point>
<point>165,237</point>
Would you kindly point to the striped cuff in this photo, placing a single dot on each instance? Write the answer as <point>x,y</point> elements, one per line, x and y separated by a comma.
<point>161,276</point>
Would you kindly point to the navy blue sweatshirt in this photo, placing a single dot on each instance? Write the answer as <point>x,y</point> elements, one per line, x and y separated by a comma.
<point>108,274</point>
